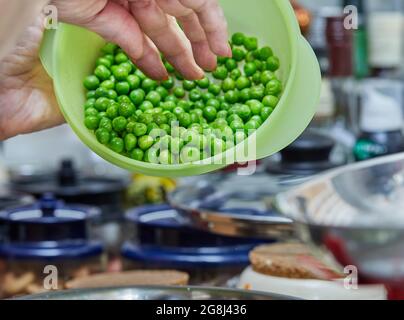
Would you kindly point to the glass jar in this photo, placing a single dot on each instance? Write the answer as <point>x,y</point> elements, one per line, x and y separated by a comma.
<point>46,244</point>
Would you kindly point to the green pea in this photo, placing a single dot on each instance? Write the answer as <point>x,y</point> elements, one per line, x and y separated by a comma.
<point>179,92</point>
<point>105,123</point>
<point>168,105</point>
<point>165,157</point>
<point>222,114</point>
<point>221,60</point>
<point>234,117</point>
<point>163,92</point>
<point>140,129</point>
<point>166,127</point>
<point>231,96</point>
<point>256,118</point>
<point>188,85</point>
<point>239,54</point>
<point>91,122</point>
<point>127,65</point>
<point>245,95</point>
<point>251,126</point>
<point>210,113</point>
<point>137,154</point>
<point>224,106</point>
<point>190,138</point>
<point>214,89</point>
<point>242,83</point>
<point>130,141</point>
<point>168,84</point>
<point>112,111</point>
<point>177,111</point>
<point>121,57</point>
<point>91,82</point>
<point>146,118</point>
<point>250,43</point>
<point>91,112</point>
<point>90,94</point>
<point>259,65</point>
<point>109,48</point>
<point>235,74</point>
<point>146,105</point>
<point>220,73</point>
<point>190,154</point>
<point>102,72</point>
<point>120,73</point>
<point>265,113</point>
<point>228,84</point>
<point>145,142</point>
<point>257,92</point>
<point>89,103</point>
<point>112,94</point>
<point>178,76</point>
<point>119,124</point>
<point>238,39</point>
<point>134,81</point>
<point>102,104</point>
<point>203,83</point>
<point>101,92</point>
<point>273,88</point>
<point>267,76</point>
<point>154,98</point>
<point>206,96</point>
<point>140,74</point>
<point>255,106</point>
<point>137,96</point>
<point>126,109</point>
<point>169,67</point>
<point>116,144</point>
<point>273,63</point>
<point>231,64</point>
<point>250,68</point>
<point>195,95</point>
<point>198,112</point>
<point>149,85</point>
<point>265,53</point>
<point>122,88</point>
<point>160,119</point>
<point>124,98</point>
<point>184,119</point>
<point>256,78</point>
<point>270,101</point>
<point>103,136</point>
<point>218,146</point>
<point>237,125</point>
<point>244,112</point>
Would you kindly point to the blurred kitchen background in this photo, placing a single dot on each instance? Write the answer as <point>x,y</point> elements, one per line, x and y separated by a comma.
<point>360,116</point>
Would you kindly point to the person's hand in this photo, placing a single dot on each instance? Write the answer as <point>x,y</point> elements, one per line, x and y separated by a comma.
<point>139,26</point>
<point>27,101</point>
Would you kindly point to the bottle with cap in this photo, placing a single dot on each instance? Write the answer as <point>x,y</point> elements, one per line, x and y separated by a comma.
<point>381,120</point>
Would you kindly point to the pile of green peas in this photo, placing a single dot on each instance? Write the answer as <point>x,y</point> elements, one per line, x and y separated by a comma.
<point>179,121</point>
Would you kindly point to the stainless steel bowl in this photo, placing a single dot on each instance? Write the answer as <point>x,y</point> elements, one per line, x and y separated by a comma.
<point>356,213</point>
<point>155,293</point>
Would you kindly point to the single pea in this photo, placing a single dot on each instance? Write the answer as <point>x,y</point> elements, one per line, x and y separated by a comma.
<point>137,154</point>
<point>90,94</point>
<point>112,111</point>
<point>140,74</point>
<point>139,129</point>
<point>120,73</point>
<point>270,101</point>
<point>177,111</point>
<point>265,113</point>
<point>273,63</point>
<point>198,112</point>
<point>255,106</point>
<point>160,119</point>
<point>186,105</point>
<point>145,142</point>
<point>239,54</point>
<point>203,83</point>
<point>224,106</point>
<point>206,96</point>
<point>134,81</point>
<point>245,95</point>
<point>214,89</point>
<point>244,112</point>
<point>109,57</point>
<point>219,123</point>
<point>122,88</point>
<point>91,82</point>
<point>102,104</point>
<point>184,119</point>
<point>127,66</point>
<point>168,84</point>
<point>221,60</point>
<point>257,92</point>
<point>168,105</point>
<point>231,96</point>
<point>101,92</point>
<point>250,56</point>
<point>273,87</point>
<point>210,113</point>
<point>112,94</point>
<point>190,154</point>
<point>169,67</point>
<point>265,53</point>
<point>250,43</point>
<point>233,117</point>
<point>89,103</point>
<point>154,98</point>
<point>91,112</point>
<point>237,125</point>
<point>126,109</point>
<point>149,85</point>
<point>146,105</point>
<point>222,114</point>
<point>242,83</point>
<point>235,74</point>
<point>188,85</point>
<point>109,48</point>
<point>119,124</point>
<point>194,118</point>
<point>250,68</point>
<point>199,105</point>
<point>130,141</point>
<point>238,39</point>
<point>220,73</point>
<point>256,78</point>
<point>267,76</point>
<point>171,98</point>
<point>179,92</point>
<point>105,123</point>
<point>102,72</point>
<point>257,118</point>
<point>228,84</point>
<point>137,96</point>
<point>121,57</point>
<point>145,118</point>
<point>195,95</point>
<point>178,76</point>
<point>91,122</point>
<point>103,136</point>
<point>213,103</point>
<point>259,65</point>
<point>231,64</point>
<point>123,98</point>
<point>116,144</point>
<point>163,92</point>
<point>102,114</point>
<point>166,127</point>
<point>251,126</point>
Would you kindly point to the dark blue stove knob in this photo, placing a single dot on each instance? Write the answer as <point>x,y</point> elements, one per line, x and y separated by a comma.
<point>48,204</point>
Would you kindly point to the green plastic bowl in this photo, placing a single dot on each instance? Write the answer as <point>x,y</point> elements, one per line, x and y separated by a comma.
<point>70,52</point>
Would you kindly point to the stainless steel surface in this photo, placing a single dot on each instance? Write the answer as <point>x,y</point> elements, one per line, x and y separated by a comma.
<point>356,213</point>
<point>155,293</point>
<point>233,205</point>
